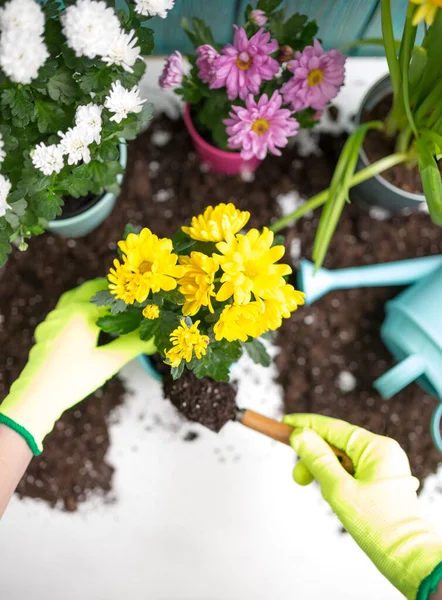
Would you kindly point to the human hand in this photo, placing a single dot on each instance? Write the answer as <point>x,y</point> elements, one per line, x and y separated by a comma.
<point>378,506</point>
<point>65,365</point>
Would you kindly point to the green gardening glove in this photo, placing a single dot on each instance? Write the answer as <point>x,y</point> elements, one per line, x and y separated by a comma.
<point>378,506</point>
<point>65,365</point>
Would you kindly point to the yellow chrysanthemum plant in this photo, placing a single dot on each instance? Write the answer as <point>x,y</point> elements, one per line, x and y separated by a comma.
<point>205,296</point>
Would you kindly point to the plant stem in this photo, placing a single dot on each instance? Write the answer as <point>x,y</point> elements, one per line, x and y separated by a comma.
<point>390,47</point>
<point>429,102</point>
<point>321,198</point>
<point>407,47</point>
<point>403,140</point>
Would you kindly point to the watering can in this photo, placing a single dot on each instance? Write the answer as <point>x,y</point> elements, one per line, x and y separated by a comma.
<point>412,329</point>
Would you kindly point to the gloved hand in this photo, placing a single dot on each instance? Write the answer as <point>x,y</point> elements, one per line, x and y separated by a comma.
<point>378,506</point>
<point>65,365</point>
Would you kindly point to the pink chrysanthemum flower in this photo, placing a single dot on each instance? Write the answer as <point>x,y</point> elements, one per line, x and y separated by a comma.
<point>243,66</point>
<point>260,127</point>
<point>258,17</point>
<point>206,63</point>
<point>172,75</point>
<point>317,77</point>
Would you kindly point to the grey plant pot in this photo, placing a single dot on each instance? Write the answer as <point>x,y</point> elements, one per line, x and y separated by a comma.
<point>377,191</point>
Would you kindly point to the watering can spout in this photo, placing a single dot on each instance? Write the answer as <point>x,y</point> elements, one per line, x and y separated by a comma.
<point>401,375</point>
<point>314,285</point>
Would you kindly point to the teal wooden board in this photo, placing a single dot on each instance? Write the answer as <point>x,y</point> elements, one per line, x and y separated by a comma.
<point>340,21</point>
<point>218,14</point>
<point>374,29</point>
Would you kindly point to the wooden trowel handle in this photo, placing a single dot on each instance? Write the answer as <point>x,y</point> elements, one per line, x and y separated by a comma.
<point>281,433</point>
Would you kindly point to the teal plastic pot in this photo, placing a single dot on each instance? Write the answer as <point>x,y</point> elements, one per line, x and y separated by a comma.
<point>91,218</point>
<point>147,363</point>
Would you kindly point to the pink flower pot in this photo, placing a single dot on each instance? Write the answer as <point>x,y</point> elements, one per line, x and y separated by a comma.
<point>218,161</point>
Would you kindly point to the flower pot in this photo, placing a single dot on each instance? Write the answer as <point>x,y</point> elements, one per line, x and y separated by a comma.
<point>377,191</point>
<point>148,365</point>
<point>90,218</point>
<point>218,161</point>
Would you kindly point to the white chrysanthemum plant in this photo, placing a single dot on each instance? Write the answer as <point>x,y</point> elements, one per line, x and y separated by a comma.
<point>69,75</point>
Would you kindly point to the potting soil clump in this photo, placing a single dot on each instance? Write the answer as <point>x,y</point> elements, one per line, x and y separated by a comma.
<point>330,352</point>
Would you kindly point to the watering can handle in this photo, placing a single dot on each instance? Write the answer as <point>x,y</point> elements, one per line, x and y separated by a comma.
<point>435,427</point>
<point>404,373</point>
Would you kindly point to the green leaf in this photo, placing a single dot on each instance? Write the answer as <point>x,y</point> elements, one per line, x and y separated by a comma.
<point>146,40</point>
<point>268,6</point>
<point>5,246</point>
<point>176,372</point>
<point>431,181</point>
<point>119,307</point>
<point>182,242</point>
<point>20,102</point>
<point>103,298</point>
<point>51,117</point>
<point>294,27</point>
<point>257,352</point>
<point>74,186</point>
<point>48,204</point>
<point>62,88</point>
<point>167,322</point>
<point>213,365</point>
<point>95,80</point>
<point>121,324</point>
<point>278,240</point>
<point>149,328</point>
<point>198,32</point>
<point>109,150</point>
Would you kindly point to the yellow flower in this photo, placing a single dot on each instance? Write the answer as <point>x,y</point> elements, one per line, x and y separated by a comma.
<point>238,322</point>
<point>151,311</point>
<point>427,11</point>
<point>197,283</point>
<point>123,283</point>
<point>275,310</point>
<point>216,223</point>
<point>248,262</point>
<point>152,260</point>
<point>186,341</point>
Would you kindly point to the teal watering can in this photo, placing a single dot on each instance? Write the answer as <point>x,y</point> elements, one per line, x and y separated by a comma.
<point>412,329</point>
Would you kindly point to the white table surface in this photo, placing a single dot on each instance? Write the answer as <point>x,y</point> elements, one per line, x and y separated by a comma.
<point>215,519</point>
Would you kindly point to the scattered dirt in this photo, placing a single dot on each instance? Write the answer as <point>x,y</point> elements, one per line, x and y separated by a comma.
<point>377,145</point>
<point>204,401</point>
<point>164,186</point>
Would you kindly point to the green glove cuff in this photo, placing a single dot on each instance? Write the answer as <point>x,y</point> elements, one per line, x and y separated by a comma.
<point>21,431</point>
<point>430,583</point>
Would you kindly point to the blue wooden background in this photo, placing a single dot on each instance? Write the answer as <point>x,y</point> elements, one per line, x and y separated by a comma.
<point>340,21</point>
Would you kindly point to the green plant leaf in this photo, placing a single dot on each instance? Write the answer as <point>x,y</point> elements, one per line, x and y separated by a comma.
<point>268,6</point>
<point>431,180</point>
<point>20,102</point>
<point>123,323</point>
<point>182,243</point>
<point>198,32</point>
<point>51,116</point>
<point>103,298</point>
<point>257,352</point>
<point>176,372</point>
<point>119,307</point>
<point>146,40</point>
<point>167,322</point>
<point>149,328</point>
<point>61,87</point>
<point>5,246</point>
<point>49,204</point>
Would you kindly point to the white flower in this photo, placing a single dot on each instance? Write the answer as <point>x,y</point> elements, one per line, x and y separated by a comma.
<point>21,56</point>
<point>5,186</point>
<point>22,16</point>
<point>49,159</point>
<point>121,101</point>
<point>90,27</point>
<point>153,8</point>
<point>123,51</point>
<point>75,143</point>
<point>88,117</point>
<point>2,152</point>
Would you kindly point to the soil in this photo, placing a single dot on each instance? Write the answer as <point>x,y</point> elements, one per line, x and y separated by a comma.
<point>203,401</point>
<point>164,186</point>
<point>378,145</point>
<point>73,207</point>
